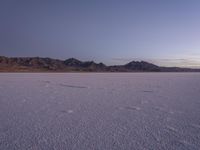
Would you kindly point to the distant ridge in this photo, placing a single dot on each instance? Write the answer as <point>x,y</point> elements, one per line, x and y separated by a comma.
<point>38,64</point>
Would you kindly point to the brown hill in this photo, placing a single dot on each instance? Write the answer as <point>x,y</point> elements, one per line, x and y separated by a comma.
<point>37,64</point>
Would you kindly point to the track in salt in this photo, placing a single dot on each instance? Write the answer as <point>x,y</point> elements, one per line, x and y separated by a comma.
<point>130,108</point>
<point>73,86</point>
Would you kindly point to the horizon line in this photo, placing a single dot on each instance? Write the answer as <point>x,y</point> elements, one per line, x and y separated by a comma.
<point>123,61</point>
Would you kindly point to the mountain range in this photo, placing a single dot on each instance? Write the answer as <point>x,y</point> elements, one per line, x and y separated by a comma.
<point>38,64</point>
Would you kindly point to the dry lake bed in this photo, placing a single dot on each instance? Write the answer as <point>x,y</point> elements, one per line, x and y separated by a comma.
<point>100,111</point>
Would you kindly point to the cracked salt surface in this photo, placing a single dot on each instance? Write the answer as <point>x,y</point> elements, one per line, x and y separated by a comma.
<point>100,111</point>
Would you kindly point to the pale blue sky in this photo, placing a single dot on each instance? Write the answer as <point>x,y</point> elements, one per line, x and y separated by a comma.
<point>165,32</point>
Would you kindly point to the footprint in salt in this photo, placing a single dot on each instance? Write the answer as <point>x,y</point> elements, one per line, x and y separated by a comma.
<point>172,129</point>
<point>160,109</point>
<point>70,111</point>
<point>67,111</point>
<point>171,112</point>
<point>132,108</point>
<point>147,91</point>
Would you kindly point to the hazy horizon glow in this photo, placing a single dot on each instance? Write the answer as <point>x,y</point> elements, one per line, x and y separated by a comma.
<point>110,31</point>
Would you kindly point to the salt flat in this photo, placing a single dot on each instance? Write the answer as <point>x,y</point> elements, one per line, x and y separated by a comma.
<point>100,111</point>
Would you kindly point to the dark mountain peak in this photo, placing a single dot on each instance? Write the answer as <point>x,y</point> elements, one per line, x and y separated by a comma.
<point>92,64</point>
<point>141,66</point>
<point>72,62</point>
<point>72,59</point>
<point>102,64</point>
<point>137,62</point>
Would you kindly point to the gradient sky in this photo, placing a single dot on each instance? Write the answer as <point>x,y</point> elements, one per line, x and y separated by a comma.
<point>165,32</point>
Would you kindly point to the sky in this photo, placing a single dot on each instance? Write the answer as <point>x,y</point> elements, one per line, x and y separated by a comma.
<point>164,32</point>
